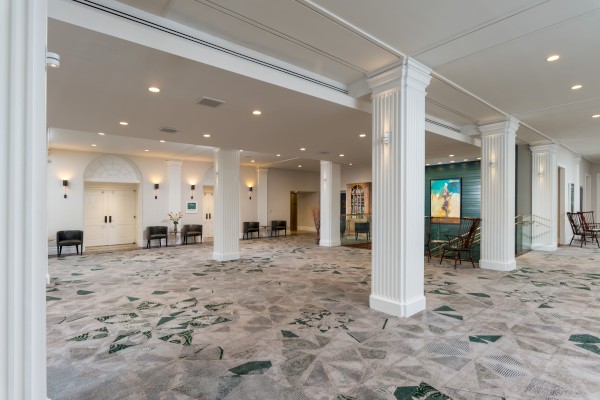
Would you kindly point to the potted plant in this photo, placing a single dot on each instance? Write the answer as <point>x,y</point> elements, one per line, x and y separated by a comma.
<point>175,217</point>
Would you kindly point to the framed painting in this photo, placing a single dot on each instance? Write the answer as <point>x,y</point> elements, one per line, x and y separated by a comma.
<point>191,207</point>
<point>446,199</point>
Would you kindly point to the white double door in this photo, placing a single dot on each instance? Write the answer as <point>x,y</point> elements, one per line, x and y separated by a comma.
<point>109,216</point>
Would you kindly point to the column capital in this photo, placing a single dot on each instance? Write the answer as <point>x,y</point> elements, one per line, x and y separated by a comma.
<point>508,126</point>
<point>262,170</point>
<point>549,147</point>
<point>410,72</point>
<point>174,163</point>
<point>578,159</point>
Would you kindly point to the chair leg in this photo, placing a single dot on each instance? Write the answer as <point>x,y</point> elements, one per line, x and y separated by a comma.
<point>443,253</point>
<point>59,250</point>
<point>471,257</point>
<point>77,249</point>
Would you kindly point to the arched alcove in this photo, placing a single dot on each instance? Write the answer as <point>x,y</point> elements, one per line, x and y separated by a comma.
<point>112,168</point>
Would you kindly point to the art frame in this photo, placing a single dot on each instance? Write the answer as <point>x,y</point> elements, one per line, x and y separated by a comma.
<point>446,200</point>
<point>191,207</point>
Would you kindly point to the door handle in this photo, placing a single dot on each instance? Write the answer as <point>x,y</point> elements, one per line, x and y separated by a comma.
<point>105,219</point>
<point>110,219</point>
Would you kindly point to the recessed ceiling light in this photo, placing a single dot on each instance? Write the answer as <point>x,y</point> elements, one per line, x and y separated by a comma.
<point>256,112</point>
<point>93,145</point>
<point>124,123</point>
<point>479,158</point>
<point>553,58</point>
<point>439,162</point>
<point>363,135</point>
<point>466,159</point>
<point>450,155</point>
<point>252,161</point>
<point>302,148</point>
<point>101,133</point>
<point>427,164</point>
<point>278,155</point>
<point>208,135</point>
<point>162,141</point>
<point>576,87</point>
<point>154,89</point>
<point>341,155</point>
<point>350,164</point>
<point>452,161</point>
<point>146,150</point>
<point>241,151</point>
<point>596,116</point>
<point>299,166</point>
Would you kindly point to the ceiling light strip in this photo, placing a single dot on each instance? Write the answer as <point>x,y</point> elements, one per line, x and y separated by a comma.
<point>205,43</point>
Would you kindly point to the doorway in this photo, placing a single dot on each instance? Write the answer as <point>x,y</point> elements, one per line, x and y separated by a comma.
<point>561,206</point>
<point>208,211</point>
<point>293,211</point>
<point>109,214</point>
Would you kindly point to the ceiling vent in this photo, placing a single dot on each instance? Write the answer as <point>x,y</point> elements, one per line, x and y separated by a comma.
<point>209,102</point>
<point>168,130</point>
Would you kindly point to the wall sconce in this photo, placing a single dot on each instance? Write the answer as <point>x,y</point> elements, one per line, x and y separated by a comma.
<point>52,60</point>
<point>540,173</point>
<point>250,192</point>
<point>193,187</point>
<point>385,139</point>
<point>65,184</point>
<point>492,164</point>
<point>156,191</point>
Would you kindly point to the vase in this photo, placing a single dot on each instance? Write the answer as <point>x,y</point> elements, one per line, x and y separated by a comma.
<point>175,227</point>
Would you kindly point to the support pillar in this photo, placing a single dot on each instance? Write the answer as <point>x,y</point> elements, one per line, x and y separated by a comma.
<point>263,195</point>
<point>577,184</point>
<point>23,160</point>
<point>174,180</point>
<point>498,170</point>
<point>398,147</point>
<point>330,205</point>
<point>544,193</point>
<point>227,205</point>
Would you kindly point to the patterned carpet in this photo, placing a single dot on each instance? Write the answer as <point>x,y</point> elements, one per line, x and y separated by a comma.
<point>290,320</point>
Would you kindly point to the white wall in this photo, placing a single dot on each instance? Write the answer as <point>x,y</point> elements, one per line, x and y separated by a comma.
<point>355,174</point>
<point>281,183</point>
<point>68,213</point>
<point>248,207</point>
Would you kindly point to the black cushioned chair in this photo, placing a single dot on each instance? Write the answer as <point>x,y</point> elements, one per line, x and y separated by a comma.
<point>251,227</point>
<point>191,231</point>
<point>278,225</point>
<point>157,233</point>
<point>362,227</point>
<point>69,238</point>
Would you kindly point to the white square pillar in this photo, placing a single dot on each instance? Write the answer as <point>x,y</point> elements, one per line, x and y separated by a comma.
<point>227,205</point>
<point>544,193</point>
<point>23,237</point>
<point>330,205</point>
<point>263,196</point>
<point>498,195</point>
<point>174,181</point>
<point>398,147</point>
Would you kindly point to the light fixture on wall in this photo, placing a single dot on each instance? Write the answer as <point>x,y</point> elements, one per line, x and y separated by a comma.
<point>193,187</point>
<point>540,173</point>
<point>65,184</point>
<point>52,59</point>
<point>156,191</point>
<point>492,164</point>
<point>385,139</point>
<point>250,192</point>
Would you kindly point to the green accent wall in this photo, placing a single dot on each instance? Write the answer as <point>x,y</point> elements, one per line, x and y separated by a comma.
<point>470,174</point>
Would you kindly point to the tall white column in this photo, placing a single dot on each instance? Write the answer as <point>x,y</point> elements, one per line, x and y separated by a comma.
<point>227,205</point>
<point>263,196</point>
<point>174,179</point>
<point>330,204</point>
<point>398,196</point>
<point>23,237</point>
<point>498,195</point>
<point>577,184</point>
<point>544,193</point>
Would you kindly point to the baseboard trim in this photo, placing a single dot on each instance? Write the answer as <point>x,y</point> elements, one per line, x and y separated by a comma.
<point>498,266</point>
<point>397,308</point>
<point>226,256</point>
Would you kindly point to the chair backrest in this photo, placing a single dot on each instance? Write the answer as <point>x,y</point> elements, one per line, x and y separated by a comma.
<point>251,225</point>
<point>574,220</point>
<point>154,230</point>
<point>69,235</point>
<point>467,231</point>
<point>191,228</point>
<point>278,224</point>
<point>586,219</point>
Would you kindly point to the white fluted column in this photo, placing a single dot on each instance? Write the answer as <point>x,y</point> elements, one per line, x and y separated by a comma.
<point>174,180</point>
<point>544,194</point>
<point>227,205</point>
<point>263,195</point>
<point>577,184</point>
<point>23,237</point>
<point>398,197</point>
<point>498,195</point>
<point>330,204</point>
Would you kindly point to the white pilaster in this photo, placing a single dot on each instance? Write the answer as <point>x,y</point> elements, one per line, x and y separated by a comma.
<point>227,205</point>
<point>330,205</point>
<point>174,180</point>
<point>498,195</point>
<point>23,237</point>
<point>576,183</point>
<point>398,168</point>
<point>544,194</point>
<point>263,195</point>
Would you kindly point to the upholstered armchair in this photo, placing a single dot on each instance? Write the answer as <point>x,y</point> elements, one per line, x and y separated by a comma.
<point>278,225</point>
<point>157,233</point>
<point>69,238</point>
<point>250,227</point>
<point>191,231</point>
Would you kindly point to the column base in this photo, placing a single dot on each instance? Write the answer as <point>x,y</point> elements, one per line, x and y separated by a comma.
<point>544,247</point>
<point>226,256</point>
<point>498,266</point>
<point>327,243</point>
<point>396,308</point>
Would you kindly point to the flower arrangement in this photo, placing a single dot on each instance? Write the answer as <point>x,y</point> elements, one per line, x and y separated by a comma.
<point>175,217</point>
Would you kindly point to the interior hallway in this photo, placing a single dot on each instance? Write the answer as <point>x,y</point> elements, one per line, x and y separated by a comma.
<point>290,320</point>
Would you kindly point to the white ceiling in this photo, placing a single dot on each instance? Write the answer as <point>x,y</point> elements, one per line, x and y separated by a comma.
<point>494,50</point>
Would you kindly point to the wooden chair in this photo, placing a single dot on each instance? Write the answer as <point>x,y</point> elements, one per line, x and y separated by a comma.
<point>69,238</point>
<point>463,242</point>
<point>251,227</point>
<point>191,231</point>
<point>575,223</point>
<point>157,233</point>
<point>589,228</point>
